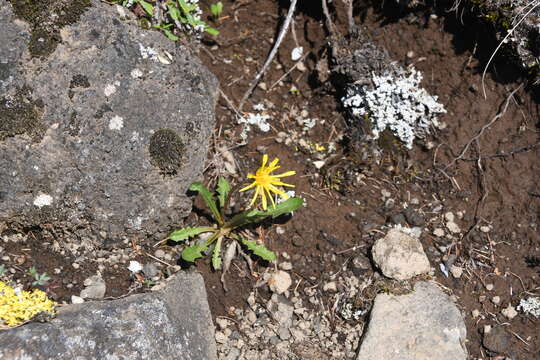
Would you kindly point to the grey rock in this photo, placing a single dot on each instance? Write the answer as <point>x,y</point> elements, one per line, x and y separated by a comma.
<point>360,265</point>
<point>171,323</point>
<point>497,340</point>
<point>100,136</point>
<point>422,325</point>
<point>400,256</point>
<point>95,288</point>
<point>413,217</point>
<point>150,270</point>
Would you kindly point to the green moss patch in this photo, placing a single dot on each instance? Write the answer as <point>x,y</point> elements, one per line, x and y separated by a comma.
<point>47,17</point>
<point>167,151</point>
<point>20,114</point>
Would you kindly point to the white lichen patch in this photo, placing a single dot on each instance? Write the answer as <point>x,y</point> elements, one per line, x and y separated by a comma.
<point>109,90</point>
<point>259,119</point>
<point>43,200</point>
<point>116,123</point>
<point>147,52</point>
<point>530,306</point>
<point>395,102</point>
<point>136,73</point>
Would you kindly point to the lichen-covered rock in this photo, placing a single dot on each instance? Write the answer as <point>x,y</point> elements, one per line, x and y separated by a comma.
<point>103,135</point>
<point>423,325</point>
<point>400,256</point>
<point>173,323</point>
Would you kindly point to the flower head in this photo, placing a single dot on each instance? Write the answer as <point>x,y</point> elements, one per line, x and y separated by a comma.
<point>18,306</point>
<point>266,184</point>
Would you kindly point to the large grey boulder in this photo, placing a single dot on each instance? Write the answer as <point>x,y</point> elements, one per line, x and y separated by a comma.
<point>400,256</point>
<point>173,323</point>
<point>102,134</point>
<point>423,325</point>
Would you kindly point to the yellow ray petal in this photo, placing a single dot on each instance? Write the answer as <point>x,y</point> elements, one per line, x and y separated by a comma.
<point>287,173</point>
<point>247,187</point>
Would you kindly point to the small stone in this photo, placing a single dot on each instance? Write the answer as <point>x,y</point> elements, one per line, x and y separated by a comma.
<point>449,216</point>
<point>220,337</point>
<point>438,232</point>
<point>360,264</point>
<point>475,313</point>
<point>453,227</point>
<point>75,266</point>
<point>279,282</point>
<point>159,253</point>
<point>284,333</point>
<point>414,218</point>
<point>287,266</point>
<point>510,312</point>
<point>262,86</point>
<point>318,164</point>
<point>496,300</point>
<point>222,323</point>
<point>280,230</point>
<point>385,193</point>
<point>456,271</point>
<point>76,299</point>
<point>150,270</point>
<point>251,316</point>
<point>95,288</point>
<point>330,286</point>
<point>489,287</point>
<point>485,229</point>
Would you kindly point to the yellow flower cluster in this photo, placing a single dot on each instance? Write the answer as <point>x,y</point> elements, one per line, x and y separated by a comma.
<point>17,307</point>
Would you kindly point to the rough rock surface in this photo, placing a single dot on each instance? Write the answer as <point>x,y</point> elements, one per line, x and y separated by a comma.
<point>172,323</point>
<point>102,136</point>
<point>400,256</point>
<point>422,325</point>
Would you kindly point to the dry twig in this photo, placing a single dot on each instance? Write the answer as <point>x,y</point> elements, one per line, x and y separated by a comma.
<point>272,54</point>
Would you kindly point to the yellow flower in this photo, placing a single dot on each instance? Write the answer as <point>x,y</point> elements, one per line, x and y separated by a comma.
<point>17,306</point>
<point>266,184</point>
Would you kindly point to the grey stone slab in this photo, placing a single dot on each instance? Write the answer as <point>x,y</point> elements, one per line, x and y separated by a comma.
<point>422,325</point>
<point>172,323</point>
<point>103,136</point>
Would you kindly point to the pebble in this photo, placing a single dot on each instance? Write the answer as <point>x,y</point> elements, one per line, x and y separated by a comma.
<point>449,216</point>
<point>475,313</point>
<point>453,227</point>
<point>222,323</point>
<point>279,282</point>
<point>385,193</point>
<point>489,287</point>
<point>220,337</point>
<point>150,270</point>
<point>159,253</point>
<point>485,229</point>
<point>510,312</point>
<point>287,266</point>
<point>75,266</point>
<point>280,230</point>
<point>76,299</point>
<point>330,286</point>
<point>456,271</point>
<point>438,232</point>
<point>496,300</point>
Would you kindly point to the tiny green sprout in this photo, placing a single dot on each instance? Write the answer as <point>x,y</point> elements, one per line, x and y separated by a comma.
<point>40,279</point>
<point>216,9</point>
<point>149,283</point>
<point>3,270</point>
<point>226,228</point>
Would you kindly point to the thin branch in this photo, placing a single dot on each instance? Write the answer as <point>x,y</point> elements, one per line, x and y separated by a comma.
<point>272,54</point>
<point>510,32</point>
<point>289,71</point>
<point>329,23</point>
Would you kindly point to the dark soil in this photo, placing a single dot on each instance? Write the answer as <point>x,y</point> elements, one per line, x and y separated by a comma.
<point>494,183</point>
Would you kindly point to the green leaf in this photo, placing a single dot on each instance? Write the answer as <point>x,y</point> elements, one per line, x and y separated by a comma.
<point>259,250</point>
<point>174,13</point>
<point>255,216</point>
<point>186,233</point>
<point>170,35</point>
<point>211,30</point>
<point>184,6</point>
<point>149,8</point>
<point>216,255</point>
<point>284,207</point>
<point>208,199</point>
<point>194,252</point>
<point>223,189</point>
